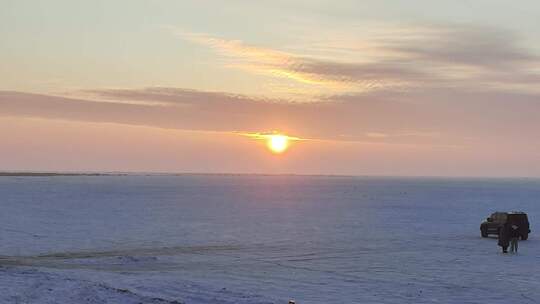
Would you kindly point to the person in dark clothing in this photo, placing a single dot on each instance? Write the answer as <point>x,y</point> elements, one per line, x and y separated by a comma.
<point>514,237</point>
<point>504,237</point>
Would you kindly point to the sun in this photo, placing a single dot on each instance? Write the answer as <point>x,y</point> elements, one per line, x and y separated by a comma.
<point>277,143</point>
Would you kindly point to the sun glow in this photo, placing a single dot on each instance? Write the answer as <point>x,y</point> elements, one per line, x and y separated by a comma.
<point>278,143</point>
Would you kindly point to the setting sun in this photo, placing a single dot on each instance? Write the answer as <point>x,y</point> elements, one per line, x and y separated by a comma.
<point>278,143</point>
<point>275,142</point>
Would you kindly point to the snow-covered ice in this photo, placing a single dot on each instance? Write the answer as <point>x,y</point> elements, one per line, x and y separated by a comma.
<point>262,239</point>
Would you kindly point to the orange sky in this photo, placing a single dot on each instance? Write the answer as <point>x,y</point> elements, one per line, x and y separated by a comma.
<point>383,91</point>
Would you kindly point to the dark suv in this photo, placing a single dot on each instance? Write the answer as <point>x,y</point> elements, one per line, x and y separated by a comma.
<point>496,221</point>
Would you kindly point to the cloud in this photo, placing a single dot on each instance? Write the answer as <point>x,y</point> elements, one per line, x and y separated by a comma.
<point>185,109</point>
<point>438,117</point>
<point>304,69</point>
<point>463,45</point>
<point>262,60</point>
<point>408,58</point>
<point>174,96</point>
<point>267,135</point>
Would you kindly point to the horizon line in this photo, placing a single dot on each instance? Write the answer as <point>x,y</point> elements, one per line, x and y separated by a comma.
<point>24,173</point>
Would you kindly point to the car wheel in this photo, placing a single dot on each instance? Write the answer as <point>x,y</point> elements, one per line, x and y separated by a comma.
<point>484,233</point>
<point>525,237</point>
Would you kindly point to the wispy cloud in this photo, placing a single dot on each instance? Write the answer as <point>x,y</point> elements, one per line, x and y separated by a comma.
<point>262,60</point>
<point>268,135</point>
<point>381,135</point>
<point>173,96</point>
<point>413,57</point>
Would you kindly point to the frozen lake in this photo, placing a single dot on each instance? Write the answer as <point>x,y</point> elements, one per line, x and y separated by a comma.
<point>262,239</point>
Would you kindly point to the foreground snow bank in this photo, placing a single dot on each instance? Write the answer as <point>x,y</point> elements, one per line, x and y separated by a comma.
<point>25,285</point>
<point>22,284</point>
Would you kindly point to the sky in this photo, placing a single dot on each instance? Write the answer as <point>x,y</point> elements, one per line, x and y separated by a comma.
<point>406,88</point>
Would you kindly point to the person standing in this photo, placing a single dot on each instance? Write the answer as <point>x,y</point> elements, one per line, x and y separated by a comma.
<point>514,237</point>
<point>504,237</point>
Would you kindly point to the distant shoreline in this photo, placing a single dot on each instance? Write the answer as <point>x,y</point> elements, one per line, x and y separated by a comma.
<point>112,174</point>
<point>58,174</point>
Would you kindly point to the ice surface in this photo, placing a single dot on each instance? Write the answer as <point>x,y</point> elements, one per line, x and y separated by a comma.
<point>262,239</point>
